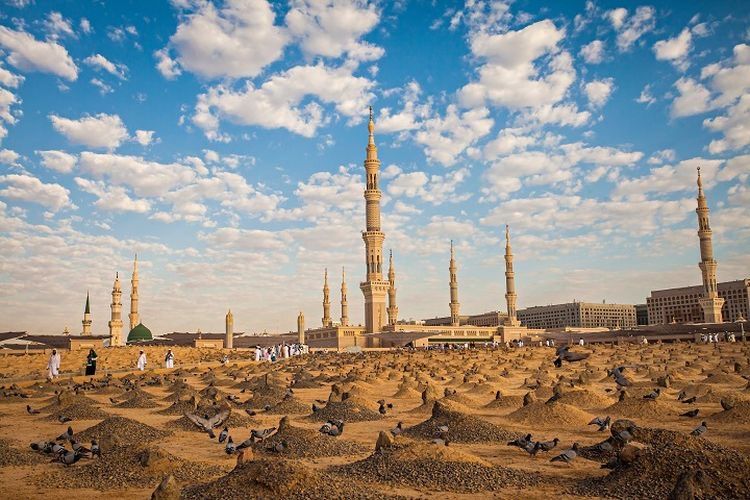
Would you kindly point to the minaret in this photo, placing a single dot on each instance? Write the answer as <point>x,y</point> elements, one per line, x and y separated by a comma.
<point>710,302</point>
<point>86,317</point>
<point>134,317</point>
<point>115,323</point>
<point>344,304</point>
<point>326,302</point>
<point>455,306</point>
<point>392,307</point>
<point>301,328</point>
<point>374,288</point>
<point>229,330</point>
<point>510,282</point>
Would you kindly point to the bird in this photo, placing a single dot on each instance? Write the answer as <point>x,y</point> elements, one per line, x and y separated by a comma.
<point>604,446</point>
<point>398,429</point>
<point>691,413</point>
<point>653,395</point>
<point>69,458</point>
<point>207,424</point>
<point>250,412</point>
<point>267,408</point>
<point>96,451</point>
<point>79,448</point>
<point>333,428</point>
<point>279,447</point>
<point>382,409</point>
<point>63,419</point>
<point>689,401</point>
<point>230,448</point>
<point>726,405</point>
<point>603,423</point>
<point>43,446</point>
<point>620,379</point>
<point>682,395</point>
<point>554,398</point>
<point>700,430</point>
<point>66,436</point>
<point>544,446</point>
<point>263,434</point>
<point>315,407</point>
<point>567,456</point>
<point>564,354</point>
<point>624,436</point>
<point>31,411</point>
<point>223,434</point>
<point>521,442</point>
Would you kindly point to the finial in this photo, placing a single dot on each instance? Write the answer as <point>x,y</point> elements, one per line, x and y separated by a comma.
<point>507,232</point>
<point>451,249</point>
<point>700,181</point>
<point>117,275</point>
<point>343,273</point>
<point>390,253</point>
<point>371,113</point>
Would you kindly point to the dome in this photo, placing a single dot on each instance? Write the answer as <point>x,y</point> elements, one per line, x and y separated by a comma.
<point>139,334</point>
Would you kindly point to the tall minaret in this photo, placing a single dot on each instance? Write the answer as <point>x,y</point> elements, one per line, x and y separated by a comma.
<point>710,302</point>
<point>510,282</point>
<point>374,288</point>
<point>134,317</point>
<point>392,307</point>
<point>229,330</point>
<point>115,323</point>
<point>326,302</point>
<point>455,306</point>
<point>301,328</point>
<point>86,317</point>
<point>344,304</point>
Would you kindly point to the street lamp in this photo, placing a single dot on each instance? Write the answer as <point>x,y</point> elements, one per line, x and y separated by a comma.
<point>741,321</point>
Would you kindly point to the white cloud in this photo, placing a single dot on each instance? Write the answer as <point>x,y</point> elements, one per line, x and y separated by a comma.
<point>28,188</point>
<point>675,49</point>
<point>58,161</point>
<point>735,126</point>
<point>630,29</point>
<point>112,198</point>
<point>645,96</point>
<point>330,29</point>
<point>559,114</point>
<point>508,140</point>
<point>7,100</point>
<point>9,79</point>
<point>29,54</point>
<point>99,131</point>
<point>510,76</point>
<point>167,66</point>
<point>445,139</point>
<point>85,25</point>
<point>598,91</point>
<point>145,137</point>
<point>57,26</point>
<point>9,157</point>
<point>103,87</point>
<point>98,61</point>
<point>670,178</point>
<point>408,118</point>
<point>662,156</point>
<point>237,40</point>
<point>277,102</point>
<point>694,98</point>
<point>593,52</point>
<point>435,189</point>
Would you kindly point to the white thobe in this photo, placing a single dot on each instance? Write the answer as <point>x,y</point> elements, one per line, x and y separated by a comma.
<point>169,362</point>
<point>53,365</point>
<point>142,362</point>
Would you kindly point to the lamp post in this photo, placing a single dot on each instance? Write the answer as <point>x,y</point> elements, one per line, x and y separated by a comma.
<point>741,321</point>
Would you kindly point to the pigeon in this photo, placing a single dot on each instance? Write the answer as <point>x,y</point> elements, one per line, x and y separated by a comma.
<point>603,423</point>
<point>553,399</point>
<point>700,430</point>
<point>31,411</point>
<point>624,436</point>
<point>267,408</point>
<point>66,436</point>
<point>604,446</point>
<point>620,379</point>
<point>544,446</point>
<point>726,405</point>
<point>207,424</point>
<point>567,456</point>
<point>69,458</point>
<point>95,450</point>
<point>564,354</point>
<point>396,431</point>
<point>521,442</point>
<point>682,395</point>
<point>653,395</point>
<point>230,448</point>
<point>250,412</point>
<point>63,419</point>
<point>382,409</point>
<point>57,449</point>
<point>279,447</point>
<point>79,448</point>
<point>315,407</point>
<point>223,434</point>
<point>691,413</point>
<point>43,446</point>
<point>689,400</point>
<point>332,428</point>
<point>262,435</point>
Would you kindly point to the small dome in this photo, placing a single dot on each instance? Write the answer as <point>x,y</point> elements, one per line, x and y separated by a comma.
<point>139,334</point>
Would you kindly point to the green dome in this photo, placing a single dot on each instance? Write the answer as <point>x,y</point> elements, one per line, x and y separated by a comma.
<point>139,334</point>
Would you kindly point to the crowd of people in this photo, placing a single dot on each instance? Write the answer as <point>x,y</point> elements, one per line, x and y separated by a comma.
<point>712,338</point>
<point>279,351</point>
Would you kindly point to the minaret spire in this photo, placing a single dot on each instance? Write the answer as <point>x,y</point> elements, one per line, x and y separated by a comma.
<point>344,304</point>
<point>86,317</point>
<point>134,316</point>
<point>392,307</point>
<point>229,330</point>
<point>374,287</point>
<point>326,302</point>
<point>510,282</point>
<point>710,302</point>
<point>454,304</point>
<point>115,323</point>
<point>301,328</point>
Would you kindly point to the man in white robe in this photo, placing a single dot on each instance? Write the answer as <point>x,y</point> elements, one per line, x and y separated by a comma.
<point>141,361</point>
<point>168,359</point>
<point>53,365</point>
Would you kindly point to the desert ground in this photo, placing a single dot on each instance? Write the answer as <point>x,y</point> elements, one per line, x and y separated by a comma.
<point>458,410</point>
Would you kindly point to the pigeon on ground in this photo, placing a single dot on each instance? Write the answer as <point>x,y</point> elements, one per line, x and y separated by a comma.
<point>689,401</point>
<point>66,436</point>
<point>624,436</point>
<point>267,408</point>
<point>620,379</point>
<point>207,424</point>
<point>567,456</point>
<point>603,423</point>
<point>691,413</point>
<point>31,411</point>
<point>63,419</point>
<point>726,405</point>
<point>79,448</point>
<point>263,434</point>
<point>682,395</point>
<point>69,458</point>
<point>544,446</point>
<point>230,448</point>
<point>653,395</point>
<point>396,431</point>
<point>223,434</point>
<point>564,354</point>
<point>279,447</point>
<point>96,451</point>
<point>554,398</point>
<point>700,430</point>
<point>332,428</point>
<point>250,412</point>
<point>382,409</point>
<point>521,442</point>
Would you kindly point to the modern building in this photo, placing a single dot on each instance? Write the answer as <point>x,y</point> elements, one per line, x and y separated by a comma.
<point>682,305</point>
<point>491,318</point>
<point>579,315</point>
<point>641,314</point>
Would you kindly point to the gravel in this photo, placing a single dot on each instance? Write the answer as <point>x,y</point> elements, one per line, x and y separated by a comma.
<point>308,443</point>
<point>462,428</point>
<point>348,411</point>
<point>116,430</point>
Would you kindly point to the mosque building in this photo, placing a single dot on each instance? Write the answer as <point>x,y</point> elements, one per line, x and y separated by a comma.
<point>137,332</point>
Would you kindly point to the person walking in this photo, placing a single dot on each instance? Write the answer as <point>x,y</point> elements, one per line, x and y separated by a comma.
<point>141,363</point>
<point>53,365</point>
<point>91,362</point>
<point>169,359</point>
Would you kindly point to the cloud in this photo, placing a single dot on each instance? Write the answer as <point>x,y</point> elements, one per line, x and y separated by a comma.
<point>508,140</point>
<point>59,161</point>
<point>28,188</point>
<point>735,126</point>
<point>593,52</point>
<point>112,198</point>
<point>237,40</point>
<point>277,103</point>
<point>598,91</point>
<point>559,114</point>
<point>103,87</point>
<point>675,50</point>
<point>630,29</point>
<point>98,61</point>
<point>9,157</point>
<point>29,54</point>
<point>409,116</point>
<point>510,76</point>
<point>57,26</point>
<point>7,100</point>
<point>694,98</point>
<point>445,139</point>
<point>671,178</point>
<point>435,189</point>
<point>168,67</point>
<point>9,79</point>
<point>645,96</point>
<point>662,156</point>
<point>99,131</point>
<point>145,137</point>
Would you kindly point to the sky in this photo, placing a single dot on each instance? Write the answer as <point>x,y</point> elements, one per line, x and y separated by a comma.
<point>223,141</point>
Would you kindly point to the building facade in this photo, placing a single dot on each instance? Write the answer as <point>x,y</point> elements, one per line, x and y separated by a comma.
<point>641,314</point>
<point>682,305</point>
<point>579,315</point>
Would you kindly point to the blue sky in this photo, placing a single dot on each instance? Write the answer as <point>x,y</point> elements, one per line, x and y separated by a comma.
<point>223,142</point>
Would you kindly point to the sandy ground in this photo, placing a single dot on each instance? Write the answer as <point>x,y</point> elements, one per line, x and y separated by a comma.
<point>710,373</point>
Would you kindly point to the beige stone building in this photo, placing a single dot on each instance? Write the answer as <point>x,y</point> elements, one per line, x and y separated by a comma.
<point>579,315</point>
<point>682,305</point>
